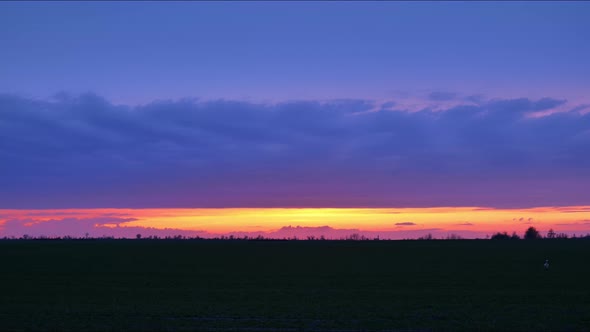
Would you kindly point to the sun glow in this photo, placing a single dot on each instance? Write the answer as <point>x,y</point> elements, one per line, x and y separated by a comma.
<point>469,221</point>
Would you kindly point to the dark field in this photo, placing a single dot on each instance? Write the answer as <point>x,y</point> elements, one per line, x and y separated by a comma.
<point>294,286</point>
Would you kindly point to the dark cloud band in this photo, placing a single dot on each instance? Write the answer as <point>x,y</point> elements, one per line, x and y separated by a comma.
<point>84,151</point>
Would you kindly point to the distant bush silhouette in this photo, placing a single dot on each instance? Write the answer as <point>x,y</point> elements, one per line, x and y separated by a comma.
<point>356,237</point>
<point>500,236</point>
<point>551,234</point>
<point>453,236</point>
<point>426,237</point>
<point>505,236</point>
<point>532,234</point>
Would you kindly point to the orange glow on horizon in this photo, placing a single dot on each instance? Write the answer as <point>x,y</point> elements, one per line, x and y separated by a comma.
<point>226,220</point>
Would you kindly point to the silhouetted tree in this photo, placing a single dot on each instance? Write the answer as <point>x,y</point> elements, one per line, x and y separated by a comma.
<point>505,236</point>
<point>551,234</point>
<point>354,237</point>
<point>138,236</point>
<point>532,234</point>
<point>500,236</point>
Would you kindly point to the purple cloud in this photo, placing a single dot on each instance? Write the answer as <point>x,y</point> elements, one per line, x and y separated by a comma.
<point>82,227</point>
<point>58,227</point>
<point>84,151</point>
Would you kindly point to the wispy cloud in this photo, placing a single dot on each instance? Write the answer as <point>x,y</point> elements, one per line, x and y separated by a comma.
<point>572,224</point>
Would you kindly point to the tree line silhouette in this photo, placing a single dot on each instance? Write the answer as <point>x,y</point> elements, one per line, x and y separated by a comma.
<point>530,234</point>
<point>533,234</point>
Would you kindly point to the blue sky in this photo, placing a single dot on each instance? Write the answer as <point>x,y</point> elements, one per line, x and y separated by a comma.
<point>135,52</point>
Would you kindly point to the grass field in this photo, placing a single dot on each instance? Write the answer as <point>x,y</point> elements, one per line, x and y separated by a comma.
<point>294,285</point>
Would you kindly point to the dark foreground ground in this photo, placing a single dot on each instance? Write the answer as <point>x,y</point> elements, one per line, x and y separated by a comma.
<point>294,286</point>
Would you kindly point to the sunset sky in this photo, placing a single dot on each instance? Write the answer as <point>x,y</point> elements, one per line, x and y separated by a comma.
<point>389,119</point>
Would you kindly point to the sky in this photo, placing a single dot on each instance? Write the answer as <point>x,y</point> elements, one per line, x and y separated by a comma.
<point>302,223</point>
<point>246,109</point>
